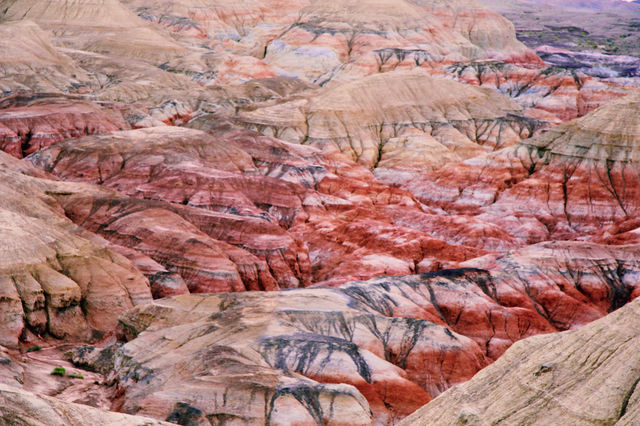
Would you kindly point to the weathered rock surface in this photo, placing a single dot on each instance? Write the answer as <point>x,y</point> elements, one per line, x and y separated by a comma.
<point>29,60</point>
<point>583,175</point>
<point>57,279</point>
<point>398,123</point>
<point>388,344</point>
<point>28,124</point>
<point>585,376</point>
<point>553,94</point>
<point>311,216</point>
<point>403,88</point>
<point>25,408</point>
<point>322,41</point>
<point>103,26</point>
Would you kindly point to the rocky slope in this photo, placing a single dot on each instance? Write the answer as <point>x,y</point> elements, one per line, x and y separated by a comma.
<point>303,211</point>
<point>322,41</point>
<point>586,376</point>
<point>29,60</point>
<point>30,123</point>
<point>295,215</point>
<point>397,123</point>
<point>58,279</point>
<point>22,407</point>
<point>330,355</point>
<point>583,175</point>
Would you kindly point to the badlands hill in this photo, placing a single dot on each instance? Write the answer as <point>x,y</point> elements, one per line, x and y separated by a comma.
<point>587,376</point>
<point>309,212</point>
<point>584,175</point>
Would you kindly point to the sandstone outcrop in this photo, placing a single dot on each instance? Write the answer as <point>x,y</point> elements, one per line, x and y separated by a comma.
<point>57,279</point>
<point>309,212</point>
<point>585,376</point>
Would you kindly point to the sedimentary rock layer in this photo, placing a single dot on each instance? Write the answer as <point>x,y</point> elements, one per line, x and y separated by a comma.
<point>322,41</point>
<point>563,184</point>
<point>390,344</point>
<point>583,376</point>
<point>57,279</point>
<point>311,216</point>
<point>553,94</point>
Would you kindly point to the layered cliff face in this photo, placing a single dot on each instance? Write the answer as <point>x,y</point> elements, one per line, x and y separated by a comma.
<point>124,50</point>
<point>392,343</point>
<point>588,375</point>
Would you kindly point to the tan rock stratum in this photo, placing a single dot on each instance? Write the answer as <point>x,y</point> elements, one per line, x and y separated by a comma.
<point>398,124</point>
<point>19,407</point>
<point>585,376</point>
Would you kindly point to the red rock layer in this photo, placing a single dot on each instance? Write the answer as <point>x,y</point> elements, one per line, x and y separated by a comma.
<point>396,341</point>
<point>564,184</point>
<point>28,124</point>
<point>270,214</point>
